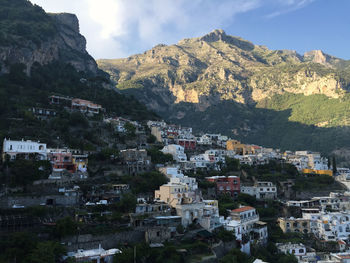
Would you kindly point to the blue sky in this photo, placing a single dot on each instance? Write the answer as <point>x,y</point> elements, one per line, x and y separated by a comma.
<point>119,28</point>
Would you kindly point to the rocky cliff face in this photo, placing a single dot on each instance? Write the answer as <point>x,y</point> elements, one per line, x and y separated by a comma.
<point>216,67</point>
<point>67,45</point>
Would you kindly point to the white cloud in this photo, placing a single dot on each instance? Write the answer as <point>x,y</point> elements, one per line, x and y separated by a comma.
<point>288,6</point>
<point>118,28</point>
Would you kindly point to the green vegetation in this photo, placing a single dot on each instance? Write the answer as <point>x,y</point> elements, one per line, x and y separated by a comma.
<point>266,127</point>
<point>313,109</point>
<point>18,93</point>
<point>24,172</point>
<point>144,183</point>
<point>20,21</point>
<point>276,172</point>
<point>158,157</point>
<point>26,248</point>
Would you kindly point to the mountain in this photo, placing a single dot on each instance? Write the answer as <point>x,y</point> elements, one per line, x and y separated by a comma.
<point>44,54</point>
<point>29,35</point>
<point>222,83</point>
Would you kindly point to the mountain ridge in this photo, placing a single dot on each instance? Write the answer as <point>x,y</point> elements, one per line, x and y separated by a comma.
<point>184,83</point>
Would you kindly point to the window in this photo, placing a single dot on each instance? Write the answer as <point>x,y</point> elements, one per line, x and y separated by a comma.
<point>301,250</point>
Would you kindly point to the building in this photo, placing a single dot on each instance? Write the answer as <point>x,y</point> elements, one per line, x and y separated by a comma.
<point>80,162</point>
<point>23,149</point>
<point>244,222</point>
<point>261,190</point>
<point>61,159</point>
<point>60,100</point>
<point>343,257</point>
<point>136,161</point>
<point>85,106</point>
<point>174,193</point>
<point>188,144</point>
<point>98,255</point>
<point>317,172</point>
<point>171,171</point>
<point>299,251</point>
<point>177,151</point>
<point>182,194</point>
<point>239,148</point>
<point>298,225</point>
<point>226,184</point>
<point>155,208</point>
<point>42,113</point>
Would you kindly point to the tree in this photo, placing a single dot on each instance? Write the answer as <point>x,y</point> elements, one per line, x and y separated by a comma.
<point>334,165</point>
<point>158,157</point>
<point>130,130</point>
<point>65,227</point>
<point>47,252</point>
<point>236,256</point>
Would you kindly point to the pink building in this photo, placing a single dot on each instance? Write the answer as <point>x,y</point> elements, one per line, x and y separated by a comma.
<point>226,184</point>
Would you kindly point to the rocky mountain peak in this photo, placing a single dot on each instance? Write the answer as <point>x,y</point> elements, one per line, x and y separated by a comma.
<point>213,36</point>
<point>316,56</point>
<point>69,20</point>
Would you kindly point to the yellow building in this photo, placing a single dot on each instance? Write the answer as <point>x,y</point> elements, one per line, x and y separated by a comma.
<point>299,225</point>
<point>172,194</point>
<point>239,148</point>
<point>318,172</point>
<point>80,162</point>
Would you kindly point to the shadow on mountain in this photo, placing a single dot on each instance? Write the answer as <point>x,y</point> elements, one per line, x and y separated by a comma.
<point>264,127</point>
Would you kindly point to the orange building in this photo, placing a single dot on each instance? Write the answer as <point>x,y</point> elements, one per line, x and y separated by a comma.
<point>239,148</point>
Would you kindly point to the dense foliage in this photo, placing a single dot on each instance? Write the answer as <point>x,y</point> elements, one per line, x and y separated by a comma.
<point>19,92</point>
<point>20,20</point>
<point>26,248</point>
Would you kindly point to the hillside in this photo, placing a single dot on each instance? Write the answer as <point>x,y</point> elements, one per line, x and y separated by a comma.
<point>226,84</point>
<point>29,35</point>
<point>44,54</point>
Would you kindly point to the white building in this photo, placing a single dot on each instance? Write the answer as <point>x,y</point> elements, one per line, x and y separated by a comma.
<point>171,171</point>
<point>312,160</point>
<point>333,226</point>
<point>245,224</point>
<point>182,193</point>
<point>200,161</point>
<point>261,190</point>
<point>343,257</point>
<point>97,255</point>
<point>204,140</point>
<point>177,151</point>
<point>26,149</point>
<point>298,250</point>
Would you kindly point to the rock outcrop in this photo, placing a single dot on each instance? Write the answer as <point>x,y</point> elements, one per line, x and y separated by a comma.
<point>225,68</point>
<point>66,45</point>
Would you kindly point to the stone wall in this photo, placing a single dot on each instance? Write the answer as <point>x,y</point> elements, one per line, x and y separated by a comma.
<point>107,241</point>
<point>8,202</point>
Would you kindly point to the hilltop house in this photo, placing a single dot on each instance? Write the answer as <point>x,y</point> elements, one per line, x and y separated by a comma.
<point>23,149</point>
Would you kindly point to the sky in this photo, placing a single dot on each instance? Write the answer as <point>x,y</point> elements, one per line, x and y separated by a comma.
<point>120,28</point>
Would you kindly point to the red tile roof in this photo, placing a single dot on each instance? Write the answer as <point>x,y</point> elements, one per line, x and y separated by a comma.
<point>243,209</point>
